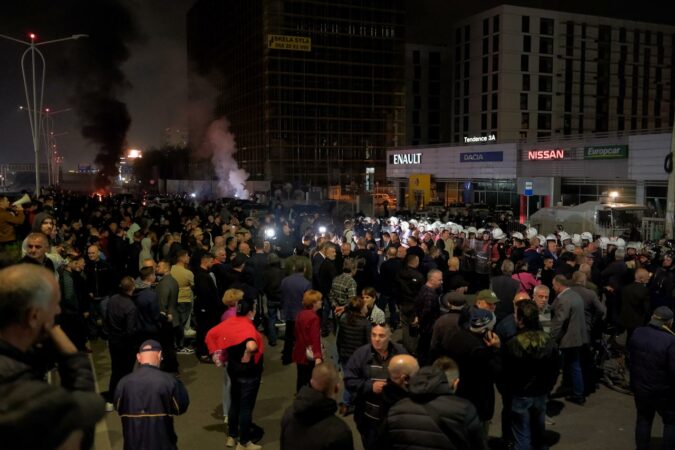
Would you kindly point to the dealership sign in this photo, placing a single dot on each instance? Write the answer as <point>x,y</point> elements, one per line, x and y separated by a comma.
<point>606,152</point>
<point>479,139</point>
<point>405,158</point>
<point>481,156</point>
<point>546,154</point>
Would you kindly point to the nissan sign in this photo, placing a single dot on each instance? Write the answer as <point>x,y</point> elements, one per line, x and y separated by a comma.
<point>546,155</point>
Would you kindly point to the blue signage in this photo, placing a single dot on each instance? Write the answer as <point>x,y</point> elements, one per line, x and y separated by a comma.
<point>481,156</point>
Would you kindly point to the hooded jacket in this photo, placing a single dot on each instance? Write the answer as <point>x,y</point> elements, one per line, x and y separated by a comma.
<point>530,364</point>
<point>432,417</point>
<point>310,424</point>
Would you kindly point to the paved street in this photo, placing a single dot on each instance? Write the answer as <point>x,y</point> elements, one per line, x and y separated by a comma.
<point>605,423</point>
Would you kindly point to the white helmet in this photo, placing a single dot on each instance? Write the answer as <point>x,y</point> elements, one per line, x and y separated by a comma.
<point>393,220</point>
<point>542,239</point>
<point>551,237</point>
<point>620,243</point>
<point>413,222</point>
<point>586,236</point>
<point>636,245</point>
<point>405,226</point>
<point>564,236</point>
<point>517,235</point>
<point>471,230</point>
<point>531,232</point>
<point>576,239</point>
<point>497,233</point>
<point>602,242</point>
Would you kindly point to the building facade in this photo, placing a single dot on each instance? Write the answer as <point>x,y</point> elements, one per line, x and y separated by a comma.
<point>427,94</point>
<point>314,91</point>
<point>562,171</point>
<point>523,74</point>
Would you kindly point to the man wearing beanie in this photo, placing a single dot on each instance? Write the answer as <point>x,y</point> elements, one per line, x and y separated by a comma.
<point>652,371</point>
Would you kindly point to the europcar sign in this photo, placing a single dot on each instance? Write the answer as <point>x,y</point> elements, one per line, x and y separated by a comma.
<point>606,152</point>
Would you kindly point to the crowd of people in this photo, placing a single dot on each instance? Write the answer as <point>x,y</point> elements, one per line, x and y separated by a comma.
<point>478,309</point>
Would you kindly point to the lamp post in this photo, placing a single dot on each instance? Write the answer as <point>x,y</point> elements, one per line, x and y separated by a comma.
<point>35,103</point>
<point>46,125</point>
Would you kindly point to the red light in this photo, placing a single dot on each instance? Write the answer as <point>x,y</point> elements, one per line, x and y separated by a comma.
<point>32,36</point>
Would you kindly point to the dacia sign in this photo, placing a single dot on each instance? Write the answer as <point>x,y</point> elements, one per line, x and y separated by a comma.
<point>481,156</point>
<point>405,158</point>
<point>546,155</point>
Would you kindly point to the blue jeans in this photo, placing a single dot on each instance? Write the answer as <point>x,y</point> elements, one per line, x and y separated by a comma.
<point>528,415</point>
<point>244,392</point>
<point>647,407</point>
<point>572,374</point>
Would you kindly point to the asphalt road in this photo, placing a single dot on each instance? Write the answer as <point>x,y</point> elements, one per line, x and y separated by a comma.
<point>605,422</point>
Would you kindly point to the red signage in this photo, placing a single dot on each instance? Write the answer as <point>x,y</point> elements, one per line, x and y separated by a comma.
<point>546,155</point>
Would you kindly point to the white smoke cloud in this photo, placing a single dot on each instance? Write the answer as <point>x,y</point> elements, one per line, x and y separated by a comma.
<point>220,143</point>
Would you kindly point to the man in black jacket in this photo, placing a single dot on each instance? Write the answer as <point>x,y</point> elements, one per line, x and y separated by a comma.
<point>147,400</point>
<point>408,283</point>
<point>121,325</point>
<point>29,301</point>
<point>635,303</point>
<point>439,419</point>
<point>530,370</point>
<point>271,278</point>
<point>388,272</point>
<point>208,307</point>
<point>310,422</point>
<point>365,377</point>
<point>652,371</point>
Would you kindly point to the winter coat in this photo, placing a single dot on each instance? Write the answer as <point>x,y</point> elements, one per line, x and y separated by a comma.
<point>634,305</point>
<point>568,320</point>
<point>652,362</point>
<point>307,332</point>
<point>531,364</point>
<point>409,281</point>
<point>147,400</point>
<point>432,418</point>
<point>479,366</point>
<point>353,332</point>
<point>310,424</point>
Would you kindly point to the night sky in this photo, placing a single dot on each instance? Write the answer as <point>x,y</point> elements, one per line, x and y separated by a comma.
<point>135,62</point>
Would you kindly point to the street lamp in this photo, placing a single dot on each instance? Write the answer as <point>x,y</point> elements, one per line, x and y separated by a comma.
<point>47,125</point>
<point>37,97</point>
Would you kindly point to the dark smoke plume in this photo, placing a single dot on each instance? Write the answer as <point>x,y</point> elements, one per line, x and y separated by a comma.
<point>92,66</point>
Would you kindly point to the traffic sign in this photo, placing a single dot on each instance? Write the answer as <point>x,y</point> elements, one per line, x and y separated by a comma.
<point>529,191</point>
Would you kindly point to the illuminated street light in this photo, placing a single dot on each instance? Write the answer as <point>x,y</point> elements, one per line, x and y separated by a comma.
<point>37,96</point>
<point>614,195</point>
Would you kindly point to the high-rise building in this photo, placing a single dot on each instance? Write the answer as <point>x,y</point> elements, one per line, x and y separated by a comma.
<point>314,90</point>
<point>525,74</point>
<point>427,80</point>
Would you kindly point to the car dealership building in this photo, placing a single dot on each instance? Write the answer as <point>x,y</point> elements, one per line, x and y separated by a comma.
<point>565,171</point>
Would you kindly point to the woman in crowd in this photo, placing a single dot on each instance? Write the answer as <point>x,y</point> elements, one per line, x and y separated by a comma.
<point>307,349</point>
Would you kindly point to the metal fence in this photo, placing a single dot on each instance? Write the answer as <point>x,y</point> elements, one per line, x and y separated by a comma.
<point>653,228</point>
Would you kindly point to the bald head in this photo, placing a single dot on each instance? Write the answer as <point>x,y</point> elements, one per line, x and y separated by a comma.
<point>325,379</point>
<point>642,276</point>
<point>521,296</point>
<point>401,368</point>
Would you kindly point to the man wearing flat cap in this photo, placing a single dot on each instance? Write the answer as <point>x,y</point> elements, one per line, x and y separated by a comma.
<point>147,400</point>
<point>652,371</point>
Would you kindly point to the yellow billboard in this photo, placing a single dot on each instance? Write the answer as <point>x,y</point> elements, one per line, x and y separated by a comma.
<point>295,43</point>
